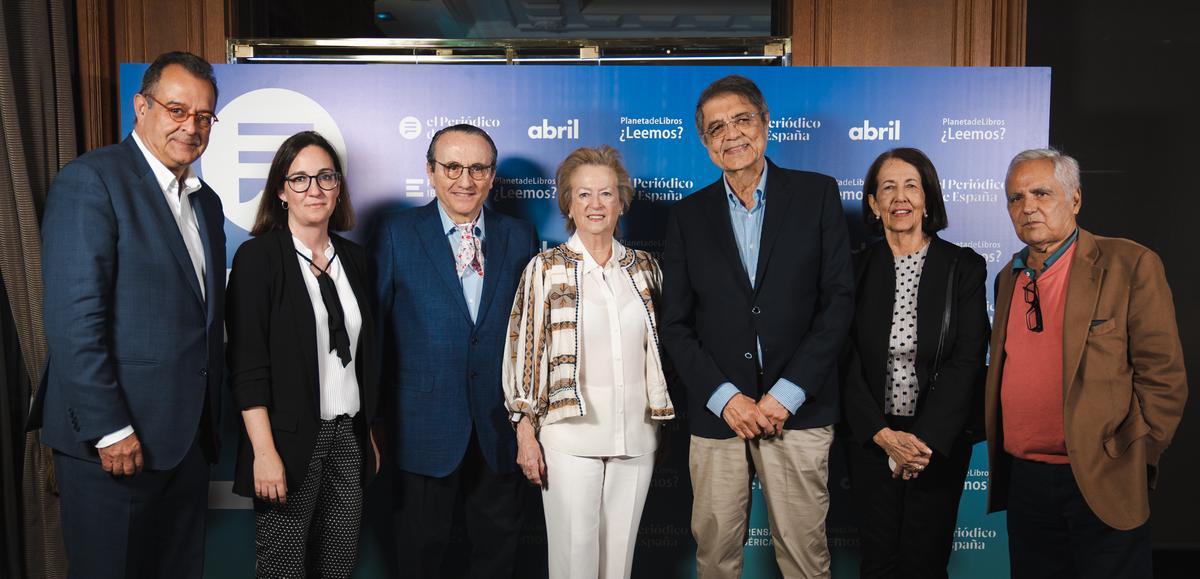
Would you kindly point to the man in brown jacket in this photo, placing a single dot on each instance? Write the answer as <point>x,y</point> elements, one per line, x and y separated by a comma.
<point>1086,385</point>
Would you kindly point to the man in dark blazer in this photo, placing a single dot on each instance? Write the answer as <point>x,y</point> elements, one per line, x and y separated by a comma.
<point>757,299</point>
<point>1086,385</point>
<point>446,276</point>
<point>133,254</point>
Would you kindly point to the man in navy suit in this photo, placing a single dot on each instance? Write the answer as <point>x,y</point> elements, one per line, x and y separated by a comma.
<point>133,255</point>
<point>757,299</point>
<point>446,276</point>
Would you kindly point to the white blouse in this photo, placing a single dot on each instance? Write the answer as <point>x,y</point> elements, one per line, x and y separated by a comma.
<point>612,371</point>
<point>338,384</point>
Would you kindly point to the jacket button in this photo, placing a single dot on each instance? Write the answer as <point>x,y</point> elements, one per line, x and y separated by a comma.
<point>474,340</point>
<point>749,356</point>
<point>755,310</point>
<point>474,374</point>
<point>204,372</point>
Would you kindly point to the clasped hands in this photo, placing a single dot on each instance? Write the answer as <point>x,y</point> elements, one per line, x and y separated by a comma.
<point>750,419</point>
<point>910,453</point>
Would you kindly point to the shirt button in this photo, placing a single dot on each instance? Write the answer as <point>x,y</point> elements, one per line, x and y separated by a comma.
<point>748,356</point>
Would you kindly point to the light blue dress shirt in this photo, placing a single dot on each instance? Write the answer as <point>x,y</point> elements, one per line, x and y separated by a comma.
<point>747,232</point>
<point>472,282</point>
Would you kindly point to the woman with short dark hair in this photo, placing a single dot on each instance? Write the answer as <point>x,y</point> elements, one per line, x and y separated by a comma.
<point>917,349</point>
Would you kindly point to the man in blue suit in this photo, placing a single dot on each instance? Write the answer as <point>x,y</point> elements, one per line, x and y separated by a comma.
<point>446,276</point>
<point>133,255</point>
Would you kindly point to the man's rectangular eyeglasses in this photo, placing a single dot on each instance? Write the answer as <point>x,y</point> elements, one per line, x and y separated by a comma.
<point>743,122</point>
<point>179,115</point>
<point>1033,316</point>
<point>327,181</point>
<point>478,171</point>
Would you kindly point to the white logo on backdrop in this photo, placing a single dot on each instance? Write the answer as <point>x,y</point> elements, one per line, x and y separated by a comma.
<point>410,127</point>
<point>242,145</point>
<point>866,132</point>
<point>569,130</point>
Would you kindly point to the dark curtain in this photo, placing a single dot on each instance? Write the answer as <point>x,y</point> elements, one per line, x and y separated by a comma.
<point>13,402</point>
<point>37,137</point>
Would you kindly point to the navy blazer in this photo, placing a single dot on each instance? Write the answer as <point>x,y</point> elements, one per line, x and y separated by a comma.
<point>800,309</point>
<point>441,373</point>
<point>131,340</point>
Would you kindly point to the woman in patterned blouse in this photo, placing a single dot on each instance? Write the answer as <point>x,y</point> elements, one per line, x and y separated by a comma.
<point>908,401</point>
<point>583,375</point>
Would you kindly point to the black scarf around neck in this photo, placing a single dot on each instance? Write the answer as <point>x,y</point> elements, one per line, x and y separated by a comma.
<point>339,338</point>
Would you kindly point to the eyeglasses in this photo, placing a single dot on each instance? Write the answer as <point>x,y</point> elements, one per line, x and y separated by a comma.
<point>179,115</point>
<point>327,181</point>
<point>1033,316</point>
<point>743,122</point>
<point>478,171</point>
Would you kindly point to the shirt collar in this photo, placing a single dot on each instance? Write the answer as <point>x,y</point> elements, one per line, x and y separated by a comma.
<point>1021,259</point>
<point>618,253</point>
<point>164,177</point>
<point>303,249</point>
<point>760,192</point>
<point>448,225</point>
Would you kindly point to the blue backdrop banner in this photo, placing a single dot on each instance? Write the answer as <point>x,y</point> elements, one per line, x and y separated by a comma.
<point>970,121</point>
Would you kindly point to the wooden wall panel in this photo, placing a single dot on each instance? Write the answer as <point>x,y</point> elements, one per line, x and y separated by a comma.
<point>908,32</point>
<point>116,31</point>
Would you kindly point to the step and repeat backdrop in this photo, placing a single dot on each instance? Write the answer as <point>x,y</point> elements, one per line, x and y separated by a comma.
<point>970,121</point>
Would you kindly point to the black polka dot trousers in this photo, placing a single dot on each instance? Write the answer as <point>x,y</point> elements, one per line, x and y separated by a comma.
<point>315,533</point>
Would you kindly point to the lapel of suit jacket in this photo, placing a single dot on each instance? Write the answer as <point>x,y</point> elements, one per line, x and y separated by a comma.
<point>166,223</point>
<point>208,228</point>
<point>304,321</point>
<point>1005,282</point>
<point>495,247</point>
<point>716,207</point>
<point>877,298</point>
<point>1083,291</point>
<point>931,304</point>
<point>778,200</point>
<point>437,248</point>
<point>355,277</point>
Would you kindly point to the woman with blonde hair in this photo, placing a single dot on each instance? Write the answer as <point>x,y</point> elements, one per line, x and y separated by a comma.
<point>583,375</point>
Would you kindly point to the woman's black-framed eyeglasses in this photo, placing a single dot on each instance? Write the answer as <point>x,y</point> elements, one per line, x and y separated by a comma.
<point>327,181</point>
<point>1033,316</point>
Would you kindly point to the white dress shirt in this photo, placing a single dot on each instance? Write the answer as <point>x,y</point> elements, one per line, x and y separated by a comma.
<point>338,384</point>
<point>612,366</point>
<point>178,196</point>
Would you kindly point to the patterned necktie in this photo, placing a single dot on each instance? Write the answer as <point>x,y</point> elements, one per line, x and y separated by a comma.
<point>470,250</point>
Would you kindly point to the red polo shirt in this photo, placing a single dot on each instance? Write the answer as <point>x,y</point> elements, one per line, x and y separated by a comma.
<point>1031,387</point>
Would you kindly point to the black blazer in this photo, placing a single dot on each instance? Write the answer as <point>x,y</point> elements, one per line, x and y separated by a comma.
<point>273,346</point>
<point>800,308</point>
<point>943,411</point>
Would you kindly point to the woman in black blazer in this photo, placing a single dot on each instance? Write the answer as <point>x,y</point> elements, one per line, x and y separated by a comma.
<point>302,358</point>
<point>907,407</point>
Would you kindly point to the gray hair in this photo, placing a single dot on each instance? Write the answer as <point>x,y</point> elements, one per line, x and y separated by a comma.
<point>1066,168</point>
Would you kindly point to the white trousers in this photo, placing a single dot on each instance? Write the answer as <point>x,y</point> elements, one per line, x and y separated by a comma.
<point>593,507</point>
